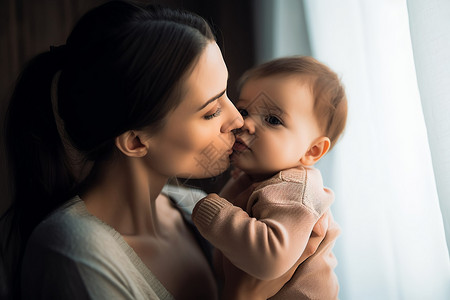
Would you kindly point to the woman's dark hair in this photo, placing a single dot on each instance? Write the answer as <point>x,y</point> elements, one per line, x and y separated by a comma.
<point>120,70</point>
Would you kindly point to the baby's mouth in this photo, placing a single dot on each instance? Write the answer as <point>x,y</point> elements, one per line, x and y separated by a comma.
<point>240,146</point>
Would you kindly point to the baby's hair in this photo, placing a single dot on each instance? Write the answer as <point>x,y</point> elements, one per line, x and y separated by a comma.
<point>330,100</point>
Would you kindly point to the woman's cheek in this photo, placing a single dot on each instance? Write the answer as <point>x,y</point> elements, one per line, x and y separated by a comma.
<point>209,152</point>
<point>192,150</point>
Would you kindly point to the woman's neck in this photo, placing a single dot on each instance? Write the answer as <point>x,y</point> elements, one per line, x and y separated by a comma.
<point>125,197</point>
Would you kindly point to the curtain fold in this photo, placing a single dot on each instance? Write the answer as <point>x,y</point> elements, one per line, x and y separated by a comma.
<point>280,29</point>
<point>429,23</point>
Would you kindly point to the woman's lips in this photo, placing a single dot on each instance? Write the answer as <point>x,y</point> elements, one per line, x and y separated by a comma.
<point>239,145</point>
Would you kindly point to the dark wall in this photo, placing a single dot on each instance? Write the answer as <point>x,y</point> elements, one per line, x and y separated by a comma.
<point>28,27</point>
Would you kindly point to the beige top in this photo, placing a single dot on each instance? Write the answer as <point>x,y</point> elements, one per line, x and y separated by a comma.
<point>91,261</point>
<point>272,225</point>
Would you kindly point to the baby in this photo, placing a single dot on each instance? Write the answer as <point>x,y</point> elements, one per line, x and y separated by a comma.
<point>275,215</point>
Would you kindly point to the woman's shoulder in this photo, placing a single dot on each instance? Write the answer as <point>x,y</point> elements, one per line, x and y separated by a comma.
<point>71,228</point>
<point>74,255</point>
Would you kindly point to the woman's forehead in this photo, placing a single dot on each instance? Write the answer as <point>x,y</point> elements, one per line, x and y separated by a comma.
<point>207,79</point>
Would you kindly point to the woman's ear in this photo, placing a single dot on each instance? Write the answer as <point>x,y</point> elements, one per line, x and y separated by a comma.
<point>130,144</point>
<point>318,149</point>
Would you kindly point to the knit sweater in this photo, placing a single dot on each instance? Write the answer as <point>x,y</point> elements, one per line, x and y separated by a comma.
<point>271,225</point>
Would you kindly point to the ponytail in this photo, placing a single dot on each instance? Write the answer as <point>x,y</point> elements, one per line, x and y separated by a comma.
<point>40,175</point>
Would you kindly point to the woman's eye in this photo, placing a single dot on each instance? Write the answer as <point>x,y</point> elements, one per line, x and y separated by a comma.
<point>243,112</point>
<point>213,115</point>
<point>272,120</point>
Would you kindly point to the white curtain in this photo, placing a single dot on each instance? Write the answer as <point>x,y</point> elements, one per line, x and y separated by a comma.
<point>393,241</point>
<point>430,35</point>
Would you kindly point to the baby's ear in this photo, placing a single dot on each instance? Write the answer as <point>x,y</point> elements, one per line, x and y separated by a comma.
<point>318,148</point>
<point>130,144</point>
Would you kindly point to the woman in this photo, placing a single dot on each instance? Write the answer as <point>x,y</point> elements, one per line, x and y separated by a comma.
<point>137,95</point>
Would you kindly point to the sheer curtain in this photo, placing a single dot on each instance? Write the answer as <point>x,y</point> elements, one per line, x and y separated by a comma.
<point>430,36</point>
<point>393,241</point>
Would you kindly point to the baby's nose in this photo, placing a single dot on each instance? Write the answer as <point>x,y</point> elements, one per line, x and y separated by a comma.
<point>249,125</point>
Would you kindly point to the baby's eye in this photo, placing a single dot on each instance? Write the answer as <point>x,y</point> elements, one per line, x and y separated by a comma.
<point>243,112</point>
<point>273,120</point>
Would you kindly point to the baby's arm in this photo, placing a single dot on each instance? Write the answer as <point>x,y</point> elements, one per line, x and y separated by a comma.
<point>271,241</point>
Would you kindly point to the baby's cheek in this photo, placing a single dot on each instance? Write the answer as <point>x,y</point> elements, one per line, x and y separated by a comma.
<point>275,157</point>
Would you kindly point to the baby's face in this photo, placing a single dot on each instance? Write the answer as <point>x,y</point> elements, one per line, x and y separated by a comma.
<point>279,125</point>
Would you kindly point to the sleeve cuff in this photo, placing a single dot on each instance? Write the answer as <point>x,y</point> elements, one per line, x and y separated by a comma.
<point>206,209</point>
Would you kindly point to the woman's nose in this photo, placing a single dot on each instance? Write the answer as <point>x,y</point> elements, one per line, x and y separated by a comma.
<point>233,118</point>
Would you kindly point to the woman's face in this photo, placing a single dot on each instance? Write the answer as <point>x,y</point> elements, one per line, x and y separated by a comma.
<point>196,140</point>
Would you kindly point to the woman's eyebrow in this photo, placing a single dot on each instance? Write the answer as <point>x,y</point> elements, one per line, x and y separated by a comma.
<point>212,99</point>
